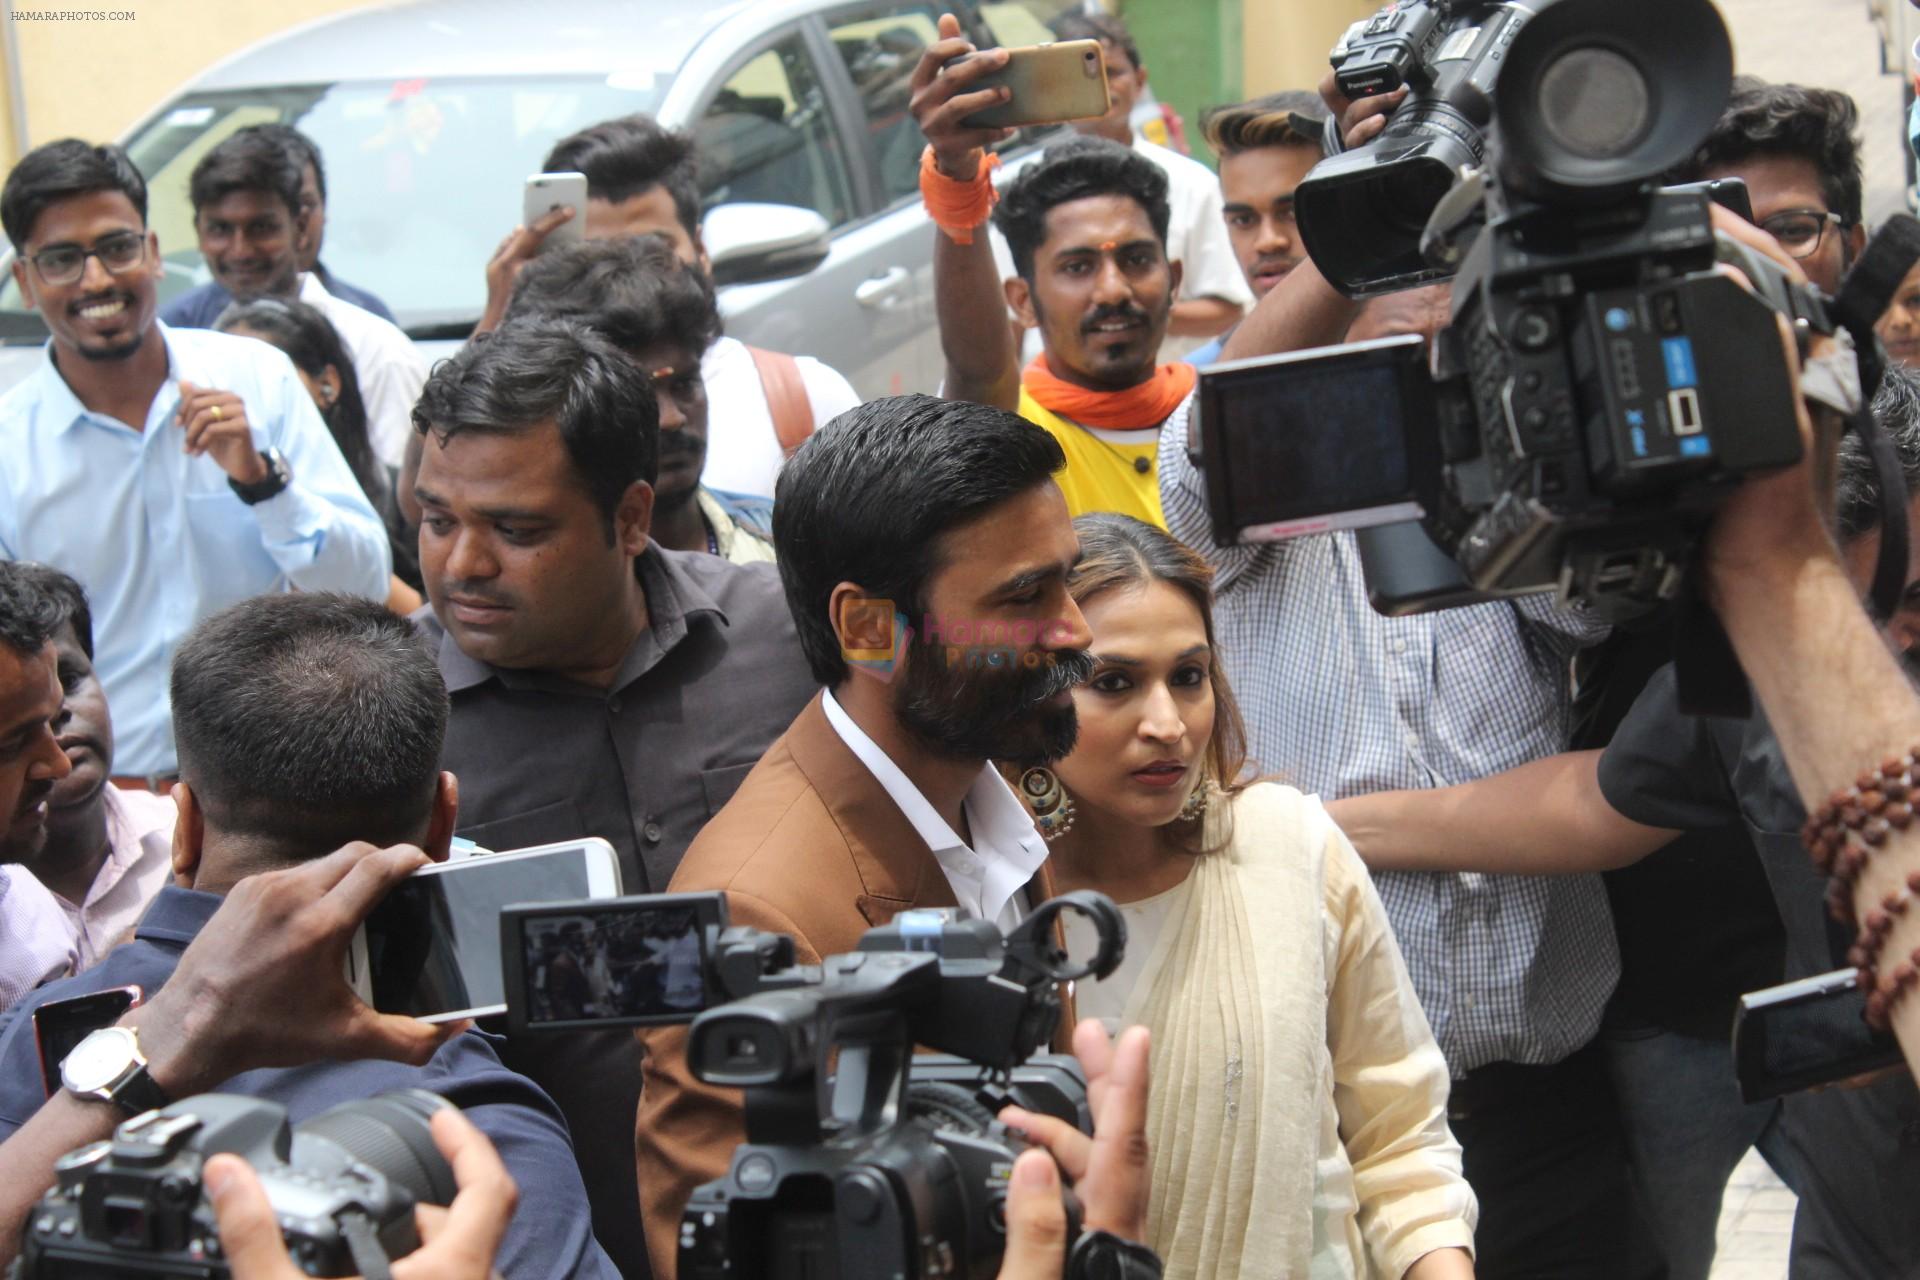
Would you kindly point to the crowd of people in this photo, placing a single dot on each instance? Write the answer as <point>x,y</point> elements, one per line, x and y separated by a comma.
<point>1436,922</point>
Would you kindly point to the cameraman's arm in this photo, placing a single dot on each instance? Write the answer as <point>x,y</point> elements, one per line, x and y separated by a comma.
<point>686,1130</point>
<point>1546,817</point>
<point>261,986</point>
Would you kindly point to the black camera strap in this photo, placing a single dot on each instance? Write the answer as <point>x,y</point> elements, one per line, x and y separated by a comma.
<point>363,1242</point>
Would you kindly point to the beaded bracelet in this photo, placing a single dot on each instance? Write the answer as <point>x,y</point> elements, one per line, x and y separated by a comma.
<point>1842,836</point>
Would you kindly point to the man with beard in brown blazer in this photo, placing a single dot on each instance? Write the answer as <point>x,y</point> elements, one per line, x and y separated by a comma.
<point>924,549</point>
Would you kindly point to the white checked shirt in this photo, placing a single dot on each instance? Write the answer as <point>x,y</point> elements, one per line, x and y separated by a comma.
<point>1343,701</point>
<point>990,875</point>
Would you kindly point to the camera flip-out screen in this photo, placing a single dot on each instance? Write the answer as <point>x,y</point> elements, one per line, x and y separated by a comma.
<point>1311,441</point>
<point>630,961</point>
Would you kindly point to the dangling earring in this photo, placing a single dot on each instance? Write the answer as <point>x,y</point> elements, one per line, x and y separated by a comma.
<point>1052,806</point>
<point>1197,800</point>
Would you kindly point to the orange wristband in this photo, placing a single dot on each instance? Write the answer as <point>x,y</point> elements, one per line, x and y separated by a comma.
<point>958,207</point>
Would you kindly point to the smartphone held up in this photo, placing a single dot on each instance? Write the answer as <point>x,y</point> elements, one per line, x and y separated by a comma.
<point>1046,84</point>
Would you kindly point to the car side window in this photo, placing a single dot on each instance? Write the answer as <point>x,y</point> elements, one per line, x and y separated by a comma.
<point>769,136</point>
<point>881,45</point>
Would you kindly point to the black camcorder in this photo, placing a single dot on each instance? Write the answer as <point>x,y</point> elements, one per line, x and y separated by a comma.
<point>1601,385</point>
<point>343,1186</point>
<point>863,1158</point>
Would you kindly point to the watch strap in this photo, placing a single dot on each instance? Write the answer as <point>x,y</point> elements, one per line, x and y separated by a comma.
<point>1101,1255</point>
<point>278,477</point>
<point>136,1094</point>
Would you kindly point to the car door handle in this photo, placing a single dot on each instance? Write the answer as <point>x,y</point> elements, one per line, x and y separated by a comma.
<point>878,291</point>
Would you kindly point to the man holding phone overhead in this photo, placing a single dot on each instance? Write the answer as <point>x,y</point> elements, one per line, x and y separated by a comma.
<point>1087,225</point>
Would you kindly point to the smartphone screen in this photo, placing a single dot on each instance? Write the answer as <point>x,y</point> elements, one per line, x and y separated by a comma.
<point>1806,1033</point>
<point>630,961</point>
<point>60,1025</point>
<point>433,946</point>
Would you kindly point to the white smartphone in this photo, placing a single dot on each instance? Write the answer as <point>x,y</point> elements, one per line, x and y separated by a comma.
<point>549,191</point>
<point>431,950</point>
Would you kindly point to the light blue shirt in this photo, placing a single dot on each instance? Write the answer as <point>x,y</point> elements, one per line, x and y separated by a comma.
<point>159,539</point>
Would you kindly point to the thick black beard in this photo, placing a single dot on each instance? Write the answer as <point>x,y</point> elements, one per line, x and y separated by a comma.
<point>991,711</point>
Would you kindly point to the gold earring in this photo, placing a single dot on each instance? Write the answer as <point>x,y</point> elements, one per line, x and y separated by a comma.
<point>1052,806</point>
<point>1197,800</point>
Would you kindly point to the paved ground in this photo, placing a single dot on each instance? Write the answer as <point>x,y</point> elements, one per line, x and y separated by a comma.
<point>1831,43</point>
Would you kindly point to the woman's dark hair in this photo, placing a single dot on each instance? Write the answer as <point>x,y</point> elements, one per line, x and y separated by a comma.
<point>309,719</point>
<point>869,496</point>
<point>630,156</point>
<point>634,292</point>
<point>250,160</point>
<point>1856,505</point>
<point>60,171</point>
<point>533,371</point>
<point>1120,553</point>
<point>1076,169</point>
<point>1819,126</point>
<point>313,344</point>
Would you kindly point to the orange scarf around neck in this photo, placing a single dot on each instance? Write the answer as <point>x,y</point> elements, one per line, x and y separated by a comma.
<point>1137,408</point>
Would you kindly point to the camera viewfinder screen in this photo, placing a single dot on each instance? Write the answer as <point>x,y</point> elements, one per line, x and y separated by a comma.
<point>1314,438</point>
<point>636,962</point>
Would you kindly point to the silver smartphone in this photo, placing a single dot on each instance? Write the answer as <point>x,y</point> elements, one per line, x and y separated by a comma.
<point>431,949</point>
<point>546,192</point>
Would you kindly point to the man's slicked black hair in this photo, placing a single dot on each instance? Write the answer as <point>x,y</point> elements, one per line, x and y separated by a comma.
<point>1820,126</point>
<point>309,719</point>
<point>60,171</point>
<point>304,150</point>
<point>634,292</point>
<point>1271,121</point>
<point>250,160</point>
<point>630,156</point>
<point>869,496</point>
<point>1076,168</point>
<point>535,371</point>
<point>29,614</point>
<point>68,599</point>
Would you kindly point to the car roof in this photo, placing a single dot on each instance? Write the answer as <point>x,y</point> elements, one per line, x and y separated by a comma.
<point>429,38</point>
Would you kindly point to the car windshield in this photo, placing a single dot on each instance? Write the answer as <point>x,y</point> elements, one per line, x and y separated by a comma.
<point>424,177</point>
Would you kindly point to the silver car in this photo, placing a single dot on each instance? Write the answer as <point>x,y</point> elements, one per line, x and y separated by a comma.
<point>431,115</point>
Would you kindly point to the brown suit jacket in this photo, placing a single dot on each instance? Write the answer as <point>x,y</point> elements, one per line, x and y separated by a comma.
<point>810,845</point>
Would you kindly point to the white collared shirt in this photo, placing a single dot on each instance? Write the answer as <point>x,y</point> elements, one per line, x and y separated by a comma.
<point>390,368</point>
<point>988,877</point>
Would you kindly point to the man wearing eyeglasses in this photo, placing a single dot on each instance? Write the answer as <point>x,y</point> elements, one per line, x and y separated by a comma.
<point>1797,151</point>
<point>172,472</point>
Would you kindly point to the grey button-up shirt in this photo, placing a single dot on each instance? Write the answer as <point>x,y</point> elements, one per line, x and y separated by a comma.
<point>716,677</point>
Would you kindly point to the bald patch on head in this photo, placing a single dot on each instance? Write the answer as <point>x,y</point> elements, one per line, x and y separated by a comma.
<point>1421,311</point>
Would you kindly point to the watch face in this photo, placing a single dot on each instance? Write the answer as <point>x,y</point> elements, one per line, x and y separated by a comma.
<point>99,1061</point>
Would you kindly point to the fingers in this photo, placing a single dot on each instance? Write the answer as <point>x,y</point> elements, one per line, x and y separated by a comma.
<point>393,1037</point>
<point>1094,1048</point>
<point>1115,1197</point>
<point>1735,227</point>
<point>249,1233</point>
<point>1364,120</point>
<point>1036,1221</point>
<point>1069,1147</point>
<point>546,222</point>
<point>371,876</point>
<point>477,1220</point>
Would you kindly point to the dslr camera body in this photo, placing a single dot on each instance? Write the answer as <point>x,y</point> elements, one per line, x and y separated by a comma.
<point>1601,385</point>
<point>343,1186</point>
<point>861,1159</point>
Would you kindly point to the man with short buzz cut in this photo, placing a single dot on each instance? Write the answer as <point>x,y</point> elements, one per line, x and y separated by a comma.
<point>651,679</point>
<point>642,179</point>
<point>172,472</point>
<point>200,307</point>
<point>880,797</point>
<point>1087,227</point>
<point>660,312</point>
<point>1798,151</point>
<point>35,945</point>
<point>1266,148</point>
<point>107,848</point>
<point>306,721</point>
<point>252,220</point>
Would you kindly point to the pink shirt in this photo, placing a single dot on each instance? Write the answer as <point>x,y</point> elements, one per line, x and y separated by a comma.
<point>36,942</point>
<point>139,859</point>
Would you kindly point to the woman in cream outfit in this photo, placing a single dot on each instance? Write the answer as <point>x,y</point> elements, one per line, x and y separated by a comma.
<point>1298,1119</point>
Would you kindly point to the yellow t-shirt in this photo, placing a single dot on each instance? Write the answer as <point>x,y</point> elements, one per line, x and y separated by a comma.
<point>1106,470</point>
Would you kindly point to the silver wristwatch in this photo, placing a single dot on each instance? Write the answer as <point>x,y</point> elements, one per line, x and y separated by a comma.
<point>108,1066</point>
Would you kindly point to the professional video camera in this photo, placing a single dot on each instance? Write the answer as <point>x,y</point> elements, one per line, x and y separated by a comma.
<point>862,1158</point>
<point>343,1186</point>
<point>1601,386</point>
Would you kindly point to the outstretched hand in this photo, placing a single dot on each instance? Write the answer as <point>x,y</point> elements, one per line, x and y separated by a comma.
<point>1108,1171</point>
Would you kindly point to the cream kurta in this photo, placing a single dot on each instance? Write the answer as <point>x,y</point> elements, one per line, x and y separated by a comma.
<point>1292,1067</point>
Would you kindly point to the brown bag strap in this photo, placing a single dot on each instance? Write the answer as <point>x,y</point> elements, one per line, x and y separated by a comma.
<point>786,397</point>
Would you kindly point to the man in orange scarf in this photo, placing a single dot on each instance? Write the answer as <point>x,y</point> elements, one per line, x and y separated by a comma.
<point>1087,225</point>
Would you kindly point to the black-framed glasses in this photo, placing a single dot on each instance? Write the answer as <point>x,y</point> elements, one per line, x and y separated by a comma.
<point>1800,231</point>
<point>65,263</point>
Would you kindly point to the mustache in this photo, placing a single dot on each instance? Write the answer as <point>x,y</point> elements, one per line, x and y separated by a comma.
<point>1069,669</point>
<point>476,591</point>
<point>32,794</point>
<point>1102,314</point>
<point>676,440</point>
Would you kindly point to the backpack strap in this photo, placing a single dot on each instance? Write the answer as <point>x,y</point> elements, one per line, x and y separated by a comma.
<point>786,395</point>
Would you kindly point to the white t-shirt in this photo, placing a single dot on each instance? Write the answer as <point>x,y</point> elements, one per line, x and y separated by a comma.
<point>390,368</point>
<point>1196,239</point>
<point>743,450</point>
